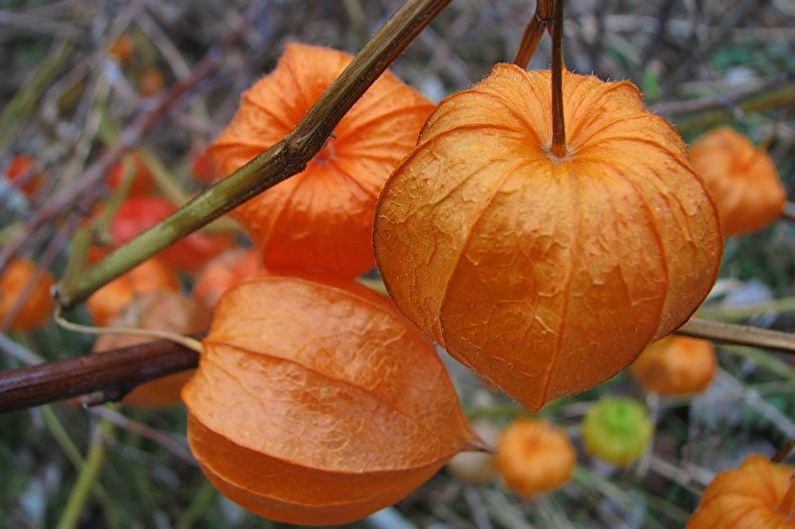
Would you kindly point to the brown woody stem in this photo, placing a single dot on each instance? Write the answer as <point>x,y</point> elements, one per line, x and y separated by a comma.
<point>542,18</point>
<point>113,373</point>
<point>284,159</point>
<point>558,126</point>
<point>729,333</point>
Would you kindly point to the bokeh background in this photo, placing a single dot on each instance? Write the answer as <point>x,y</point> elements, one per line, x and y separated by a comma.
<point>63,99</point>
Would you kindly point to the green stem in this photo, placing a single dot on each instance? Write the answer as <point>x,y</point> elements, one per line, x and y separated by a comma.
<point>284,159</point>
<point>61,436</point>
<point>87,478</point>
<point>763,360</point>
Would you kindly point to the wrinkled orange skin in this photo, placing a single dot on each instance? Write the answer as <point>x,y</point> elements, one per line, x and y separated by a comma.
<point>162,311</point>
<point>150,276</point>
<point>224,272</point>
<point>546,276</point>
<point>315,402</point>
<point>18,166</point>
<point>190,253</point>
<point>321,218</point>
<point>35,310</point>
<point>142,182</point>
<point>533,457</point>
<point>747,497</point>
<point>676,366</point>
<point>742,180</point>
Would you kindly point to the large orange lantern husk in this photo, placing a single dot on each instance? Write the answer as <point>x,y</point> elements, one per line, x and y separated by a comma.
<point>321,218</point>
<point>742,180</point>
<point>534,457</point>
<point>676,365</point>
<point>545,275</point>
<point>35,309</point>
<point>758,494</point>
<point>315,402</point>
<point>161,311</point>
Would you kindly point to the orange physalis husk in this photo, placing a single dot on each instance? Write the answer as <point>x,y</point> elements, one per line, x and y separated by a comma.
<point>160,311</point>
<point>142,180</point>
<point>315,402</point>
<point>322,217</point>
<point>35,310</point>
<point>150,276</point>
<point>546,276</point>
<point>757,495</point>
<point>534,457</point>
<point>676,365</point>
<point>741,178</point>
<point>224,272</point>
<point>19,166</point>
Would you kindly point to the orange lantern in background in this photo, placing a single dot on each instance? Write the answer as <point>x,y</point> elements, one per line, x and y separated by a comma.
<point>142,179</point>
<point>322,217</point>
<point>20,165</point>
<point>224,272</point>
<point>160,311</point>
<point>676,365</point>
<point>742,180</point>
<point>321,384</point>
<point>35,309</point>
<point>758,494</point>
<point>533,457</point>
<point>546,276</point>
<point>148,277</point>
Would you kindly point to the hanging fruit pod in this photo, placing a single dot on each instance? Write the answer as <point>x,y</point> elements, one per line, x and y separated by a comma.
<point>741,178</point>
<point>159,311</point>
<point>321,218</point>
<point>758,494</point>
<point>546,275</point>
<point>617,430</point>
<point>534,457</point>
<point>315,402</point>
<point>676,365</point>
<point>35,308</point>
<point>142,182</point>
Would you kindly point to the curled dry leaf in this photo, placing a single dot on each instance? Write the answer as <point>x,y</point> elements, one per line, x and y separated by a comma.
<point>546,275</point>
<point>36,308</point>
<point>758,494</point>
<point>161,311</point>
<point>150,276</point>
<point>535,457</point>
<point>322,217</point>
<point>676,365</point>
<point>742,180</point>
<point>224,272</point>
<point>617,430</point>
<point>315,402</point>
<point>139,213</point>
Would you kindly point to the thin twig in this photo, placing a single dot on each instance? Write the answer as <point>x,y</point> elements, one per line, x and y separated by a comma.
<point>558,123</point>
<point>738,334</point>
<point>542,19</point>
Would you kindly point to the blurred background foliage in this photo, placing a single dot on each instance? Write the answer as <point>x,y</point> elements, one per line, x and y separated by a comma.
<point>62,97</point>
